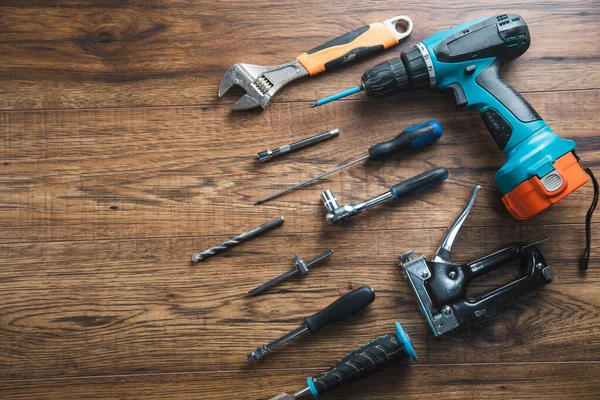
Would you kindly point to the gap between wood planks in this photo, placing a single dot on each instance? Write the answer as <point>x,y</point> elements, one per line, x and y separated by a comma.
<point>131,239</point>
<point>273,102</point>
<point>319,369</point>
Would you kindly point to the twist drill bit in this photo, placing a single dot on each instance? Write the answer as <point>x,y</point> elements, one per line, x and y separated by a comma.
<point>203,255</point>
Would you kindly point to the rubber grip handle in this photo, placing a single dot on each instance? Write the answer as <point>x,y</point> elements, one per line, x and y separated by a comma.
<point>495,260</point>
<point>419,182</point>
<point>361,363</point>
<point>351,46</point>
<point>500,129</point>
<point>342,307</point>
<point>415,137</point>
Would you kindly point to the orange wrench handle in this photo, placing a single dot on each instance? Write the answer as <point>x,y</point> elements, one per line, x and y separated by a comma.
<point>359,43</point>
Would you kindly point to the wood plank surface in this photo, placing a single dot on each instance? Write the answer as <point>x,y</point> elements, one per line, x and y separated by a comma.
<point>104,174</point>
<point>118,161</point>
<point>415,382</point>
<point>162,53</point>
<point>78,308</point>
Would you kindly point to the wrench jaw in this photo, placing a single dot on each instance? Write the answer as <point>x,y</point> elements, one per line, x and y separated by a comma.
<point>259,82</point>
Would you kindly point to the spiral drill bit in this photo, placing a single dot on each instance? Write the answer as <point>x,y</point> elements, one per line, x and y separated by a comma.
<point>203,255</point>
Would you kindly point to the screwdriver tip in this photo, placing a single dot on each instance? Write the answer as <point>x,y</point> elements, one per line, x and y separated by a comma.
<point>336,96</point>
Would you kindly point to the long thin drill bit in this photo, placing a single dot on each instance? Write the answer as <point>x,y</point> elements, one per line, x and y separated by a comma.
<point>203,255</point>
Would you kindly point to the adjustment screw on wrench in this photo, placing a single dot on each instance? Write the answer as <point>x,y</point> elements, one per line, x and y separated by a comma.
<point>266,155</point>
<point>403,189</point>
<point>342,307</point>
<point>415,137</point>
<point>203,255</point>
<point>300,268</point>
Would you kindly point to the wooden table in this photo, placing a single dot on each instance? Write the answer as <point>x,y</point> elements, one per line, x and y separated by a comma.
<point>118,161</point>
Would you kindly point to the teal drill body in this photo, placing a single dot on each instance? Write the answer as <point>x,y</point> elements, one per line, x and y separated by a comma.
<point>467,59</point>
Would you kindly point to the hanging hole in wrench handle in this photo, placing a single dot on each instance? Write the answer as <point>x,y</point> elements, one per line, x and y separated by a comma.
<point>415,137</point>
<point>359,43</point>
<point>401,25</point>
<point>346,305</point>
<point>419,182</point>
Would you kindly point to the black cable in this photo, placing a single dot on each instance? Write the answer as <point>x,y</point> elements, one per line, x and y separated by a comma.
<point>585,258</point>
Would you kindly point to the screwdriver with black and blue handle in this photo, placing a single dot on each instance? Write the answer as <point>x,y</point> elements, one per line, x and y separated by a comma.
<point>413,138</point>
<point>365,361</point>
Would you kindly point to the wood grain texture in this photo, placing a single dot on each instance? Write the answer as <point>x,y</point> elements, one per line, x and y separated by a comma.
<point>137,306</point>
<point>118,161</point>
<point>414,382</point>
<point>104,174</point>
<point>159,53</point>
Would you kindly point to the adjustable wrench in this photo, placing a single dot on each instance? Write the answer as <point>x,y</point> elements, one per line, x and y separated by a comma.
<point>261,82</point>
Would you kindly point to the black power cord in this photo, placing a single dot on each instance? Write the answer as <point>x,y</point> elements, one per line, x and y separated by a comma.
<point>585,258</point>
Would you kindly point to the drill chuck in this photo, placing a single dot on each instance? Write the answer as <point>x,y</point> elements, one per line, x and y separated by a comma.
<point>401,74</point>
<point>416,69</point>
<point>385,79</point>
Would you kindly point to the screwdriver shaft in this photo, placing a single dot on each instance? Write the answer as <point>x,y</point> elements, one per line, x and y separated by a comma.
<point>336,96</point>
<point>306,182</point>
<point>263,350</point>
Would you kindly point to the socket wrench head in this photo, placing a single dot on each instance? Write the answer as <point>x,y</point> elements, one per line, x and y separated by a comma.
<point>336,213</point>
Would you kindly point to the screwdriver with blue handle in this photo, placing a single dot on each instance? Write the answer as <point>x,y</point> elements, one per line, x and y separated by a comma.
<point>365,361</point>
<point>413,138</point>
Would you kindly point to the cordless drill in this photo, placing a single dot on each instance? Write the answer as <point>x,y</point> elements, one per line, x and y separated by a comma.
<point>540,168</point>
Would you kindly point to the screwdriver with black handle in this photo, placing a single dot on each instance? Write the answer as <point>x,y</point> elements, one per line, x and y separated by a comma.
<point>346,305</point>
<point>365,361</point>
<point>415,137</point>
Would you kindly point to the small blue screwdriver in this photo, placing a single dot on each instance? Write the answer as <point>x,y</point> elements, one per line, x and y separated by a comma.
<point>336,96</point>
<point>412,138</point>
<point>385,79</point>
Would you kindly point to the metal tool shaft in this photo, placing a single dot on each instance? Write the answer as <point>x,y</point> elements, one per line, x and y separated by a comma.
<point>273,282</point>
<point>306,182</point>
<point>203,255</point>
<point>269,154</point>
<point>382,198</point>
<point>336,96</point>
<point>300,268</point>
<point>263,350</point>
<point>337,213</point>
<point>318,258</point>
